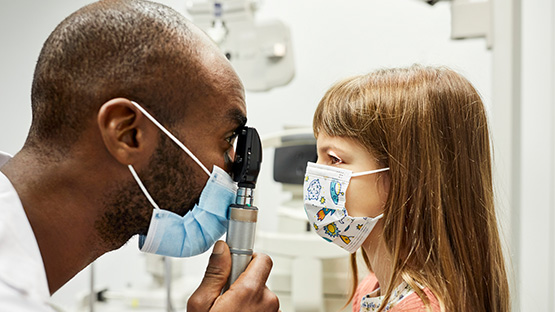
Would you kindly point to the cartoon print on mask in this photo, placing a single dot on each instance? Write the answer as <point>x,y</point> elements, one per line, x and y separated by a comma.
<point>335,191</point>
<point>322,213</point>
<point>346,239</point>
<point>331,230</point>
<point>329,217</point>
<point>313,190</point>
<point>315,226</point>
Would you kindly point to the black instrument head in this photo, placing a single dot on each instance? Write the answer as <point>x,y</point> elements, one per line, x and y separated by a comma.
<point>248,158</point>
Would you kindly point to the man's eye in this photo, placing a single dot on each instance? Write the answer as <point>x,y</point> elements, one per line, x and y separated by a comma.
<point>231,139</point>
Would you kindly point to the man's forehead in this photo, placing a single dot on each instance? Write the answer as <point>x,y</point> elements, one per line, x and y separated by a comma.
<point>223,94</point>
<point>227,115</point>
<point>228,103</point>
<point>218,110</point>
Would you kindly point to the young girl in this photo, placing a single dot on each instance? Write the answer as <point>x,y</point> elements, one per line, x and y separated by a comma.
<point>404,174</point>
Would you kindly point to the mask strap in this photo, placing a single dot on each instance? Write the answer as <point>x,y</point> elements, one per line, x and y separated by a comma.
<point>174,139</point>
<point>143,188</point>
<point>378,216</point>
<point>368,172</point>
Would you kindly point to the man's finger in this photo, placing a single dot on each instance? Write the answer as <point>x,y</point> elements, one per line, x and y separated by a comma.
<point>214,280</point>
<point>257,271</point>
<point>249,293</point>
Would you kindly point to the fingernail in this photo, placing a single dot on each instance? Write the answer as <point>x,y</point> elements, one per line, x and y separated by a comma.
<point>218,248</point>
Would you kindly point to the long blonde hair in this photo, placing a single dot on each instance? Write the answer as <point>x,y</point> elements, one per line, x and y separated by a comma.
<point>429,126</point>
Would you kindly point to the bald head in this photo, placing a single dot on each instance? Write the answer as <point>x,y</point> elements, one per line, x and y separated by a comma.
<point>139,50</point>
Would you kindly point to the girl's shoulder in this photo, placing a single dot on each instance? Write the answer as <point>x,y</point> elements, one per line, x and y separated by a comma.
<point>411,302</point>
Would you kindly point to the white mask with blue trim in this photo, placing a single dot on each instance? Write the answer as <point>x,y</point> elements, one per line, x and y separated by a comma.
<point>170,234</point>
<point>324,202</point>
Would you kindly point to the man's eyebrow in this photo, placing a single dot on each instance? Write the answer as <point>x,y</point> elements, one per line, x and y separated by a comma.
<point>237,117</point>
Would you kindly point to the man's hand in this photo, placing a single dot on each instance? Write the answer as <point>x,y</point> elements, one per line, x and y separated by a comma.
<point>248,293</point>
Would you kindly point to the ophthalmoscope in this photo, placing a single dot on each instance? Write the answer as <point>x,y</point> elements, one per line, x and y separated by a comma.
<point>243,215</point>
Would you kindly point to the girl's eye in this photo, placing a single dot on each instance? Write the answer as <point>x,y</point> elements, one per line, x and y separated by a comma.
<point>335,160</point>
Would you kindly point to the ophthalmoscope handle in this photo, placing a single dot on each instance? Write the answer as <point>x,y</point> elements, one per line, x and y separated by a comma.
<point>241,232</point>
<point>243,215</point>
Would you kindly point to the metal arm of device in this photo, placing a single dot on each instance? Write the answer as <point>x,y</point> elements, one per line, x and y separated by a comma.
<point>243,215</point>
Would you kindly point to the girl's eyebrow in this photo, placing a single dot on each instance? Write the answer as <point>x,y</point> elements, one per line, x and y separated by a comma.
<point>328,147</point>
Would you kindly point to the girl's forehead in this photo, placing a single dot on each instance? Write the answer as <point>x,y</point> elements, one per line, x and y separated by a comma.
<point>338,144</point>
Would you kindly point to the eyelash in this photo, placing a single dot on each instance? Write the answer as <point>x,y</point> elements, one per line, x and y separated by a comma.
<point>334,159</point>
<point>231,139</point>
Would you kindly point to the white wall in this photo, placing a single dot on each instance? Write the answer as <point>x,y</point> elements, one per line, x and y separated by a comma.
<point>331,39</point>
<point>537,225</point>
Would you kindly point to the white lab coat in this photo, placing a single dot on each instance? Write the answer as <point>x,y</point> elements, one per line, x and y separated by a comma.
<point>23,284</point>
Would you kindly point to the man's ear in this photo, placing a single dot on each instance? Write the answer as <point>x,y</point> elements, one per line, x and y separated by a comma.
<point>127,134</point>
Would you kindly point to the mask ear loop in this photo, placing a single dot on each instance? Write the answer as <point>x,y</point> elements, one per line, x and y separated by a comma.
<point>143,188</point>
<point>371,172</point>
<point>368,172</point>
<point>174,139</point>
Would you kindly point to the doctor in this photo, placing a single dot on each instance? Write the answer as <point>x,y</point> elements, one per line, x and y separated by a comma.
<point>134,114</point>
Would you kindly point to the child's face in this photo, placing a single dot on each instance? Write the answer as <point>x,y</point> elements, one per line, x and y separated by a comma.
<point>366,195</point>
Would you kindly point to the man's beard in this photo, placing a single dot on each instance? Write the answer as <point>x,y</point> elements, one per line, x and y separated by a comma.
<point>170,182</point>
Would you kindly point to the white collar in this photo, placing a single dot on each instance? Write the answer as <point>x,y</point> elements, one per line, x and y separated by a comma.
<point>369,303</point>
<point>21,266</point>
<point>4,157</point>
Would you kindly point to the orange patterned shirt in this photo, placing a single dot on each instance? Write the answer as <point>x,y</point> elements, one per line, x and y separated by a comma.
<point>403,298</point>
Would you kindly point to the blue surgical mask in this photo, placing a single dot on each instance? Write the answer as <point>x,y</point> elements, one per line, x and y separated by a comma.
<point>170,234</point>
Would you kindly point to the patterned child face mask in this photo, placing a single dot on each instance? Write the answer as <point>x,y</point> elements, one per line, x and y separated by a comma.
<point>324,204</point>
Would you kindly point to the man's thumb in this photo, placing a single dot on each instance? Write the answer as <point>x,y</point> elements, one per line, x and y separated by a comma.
<point>214,279</point>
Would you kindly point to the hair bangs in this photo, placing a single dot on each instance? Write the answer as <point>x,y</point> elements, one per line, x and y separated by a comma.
<point>341,110</point>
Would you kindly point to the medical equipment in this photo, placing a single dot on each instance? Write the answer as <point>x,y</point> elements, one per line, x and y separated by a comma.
<point>470,19</point>
<point>431,2</point>
<point>309,274</point>
<point>167,274</point>
<point>260,52</point>
<point>243,214</point>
